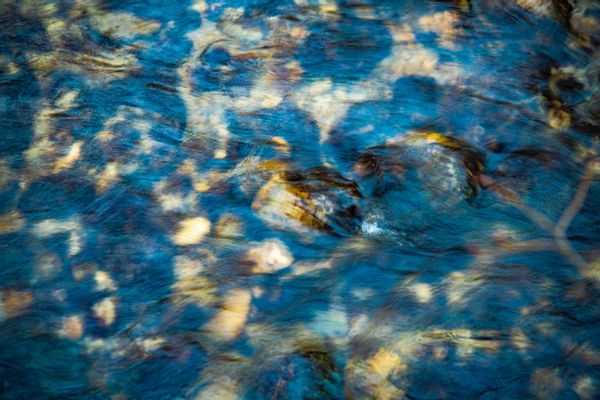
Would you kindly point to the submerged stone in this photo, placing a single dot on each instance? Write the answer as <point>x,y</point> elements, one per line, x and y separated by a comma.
<point>191,231</point>
<point>318,199</point>
<point>230,321</point>
<point>269,257</point>
<point>442,167</point>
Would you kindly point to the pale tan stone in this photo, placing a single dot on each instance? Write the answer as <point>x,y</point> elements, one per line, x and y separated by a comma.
<point>269,257</point>
<point>229,226</point>
<point>220,154</point>
<point>16,302</point>
<point>229,322</point>
<point>82,271</point>
<point>191,231</point>
<point>152,344</point>
<point>541,7</point>
<point>191,284</point>
<point>47,267</point>
<point>70,158</point>
<point>384,362</point>
<point>105,310</point>
<point>443,24</point>
<point>221,389</point>
<point>422,292</point>
<point>586,388</point>
<point>519,340</point>
<point>11,222</point>
<point>122,25</point>
<point>72,327</point>
<point>50,227</point>
<point>545,383</point>
<point>104,282</point>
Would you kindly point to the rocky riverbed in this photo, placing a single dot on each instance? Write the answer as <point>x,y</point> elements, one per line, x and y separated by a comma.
<point>299,199</point>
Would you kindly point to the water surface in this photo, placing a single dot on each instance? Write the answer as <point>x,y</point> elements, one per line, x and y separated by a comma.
<point>299,199</point>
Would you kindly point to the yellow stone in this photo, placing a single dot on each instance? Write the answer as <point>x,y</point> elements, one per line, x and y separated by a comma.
<point>152,344</point>
<point>269,257</point>
<point>519,340</point>
<point>191,231</point>
<point>50,227</point>
<point>422,292</point>
<point>202,186</point>
<point>67,100</point>
<point>16,302</point>
<point>47,266</point>
<point>546,383</point>
<point>200,6</point>
<point>229,322</point>
<point>105,310</point>
<point>70,158</point>
<point>81,271</point>
<point>12,68</point>
<point>280,143</point>
<point>384,362</point>
<point>559,119</point>
<point>220,154</point>
<point>72,327</point>
<point>586,388</point>
<point>229,226</point>
<point>10,222</point>
<point>104,281</point>
<point>122,25</point>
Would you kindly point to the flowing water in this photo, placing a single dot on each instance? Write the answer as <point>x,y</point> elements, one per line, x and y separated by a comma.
<point>299,199</point>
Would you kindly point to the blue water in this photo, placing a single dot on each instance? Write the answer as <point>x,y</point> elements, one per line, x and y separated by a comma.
<point>299,199</point>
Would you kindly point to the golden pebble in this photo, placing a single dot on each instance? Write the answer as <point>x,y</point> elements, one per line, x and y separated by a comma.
<point>68,160</point>
<point>384,362</point>
<point>541,7</point>
<point>104,282</point>
<point>10,222</point>
<point>107,177</point>
<point>559,119</point>
<point>202,186</point>
<point>187,268</point>
<point>443,24</point>
<point>401,33</point>
<point>269,257</point>
<point>223,389</point>
<point>187,168</point>
<point>43,62</point>
<point>122,25</point>
<point>229,226</point>
<point>328,8</point>
<point>422,292</point>
<point>191,231</point>
<point>105,135</point>
<point>152,344</point>
<point>16,302</point>
<point>230,320</point>
<point>81,271</point>
<point>220,154</point>
<point>545,383</point>
<point>47,266</point>
<point>200,6</point>
<point>519,340</point>
<point>37,9</point>
<point>280,143</point>
<point>105,310</point>
<point>257,292</point>
<point>72,327</point>
<point>586,388</point>
<point>50,227</point>
<point>12,68</point>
